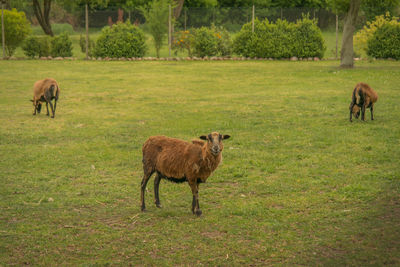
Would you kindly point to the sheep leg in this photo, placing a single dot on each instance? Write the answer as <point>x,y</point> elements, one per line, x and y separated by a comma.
<point>195,202</point>
<point>47,108</point>
<point>52,110</point>
<point>156,187</point>
<point>145,179</point>
<point>35,104</point>
<point>372,111</point>
<point>351,111</point>
<point>55,105</point>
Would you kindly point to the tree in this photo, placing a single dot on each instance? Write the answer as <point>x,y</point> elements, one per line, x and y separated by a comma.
<point>43,16</point>
<point>178,8</point>
<point>16,28</point>
<point>347,52</point>
<point>350,8</point>
<point>157,21</point>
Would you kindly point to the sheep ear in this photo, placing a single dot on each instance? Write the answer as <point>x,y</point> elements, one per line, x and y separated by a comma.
<point>225,136</point>
<point>203,137</point>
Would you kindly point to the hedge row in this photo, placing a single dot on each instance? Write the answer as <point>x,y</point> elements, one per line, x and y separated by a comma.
<point>58,46</point>
<point>280,40</point>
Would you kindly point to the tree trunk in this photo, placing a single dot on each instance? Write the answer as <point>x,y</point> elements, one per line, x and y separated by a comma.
<point>346,55</point>
<point>178,8</point>
<point>43,17</point>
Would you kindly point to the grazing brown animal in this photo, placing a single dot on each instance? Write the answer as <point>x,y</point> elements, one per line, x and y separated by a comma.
<point>180,161</point>
<point>363,97</point>
<point>45,91</point>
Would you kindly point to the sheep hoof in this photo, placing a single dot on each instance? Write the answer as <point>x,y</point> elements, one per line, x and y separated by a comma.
<point>198,212</point>
<point>143,209</point>
<point>52,117</point>
<point>47,114</point>
<point>158,205</point>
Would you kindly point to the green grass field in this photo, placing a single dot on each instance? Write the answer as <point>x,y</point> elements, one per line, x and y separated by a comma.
<point>299,184</point>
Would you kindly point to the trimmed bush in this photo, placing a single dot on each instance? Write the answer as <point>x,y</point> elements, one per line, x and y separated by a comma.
<point>280,40</point>
<point>211,42</point>
<point>16,29</point>
<point>385,42</point>
<point>120,40</point>
<point>37,46</point>
<point>82,44</point>
<point>61,46</point>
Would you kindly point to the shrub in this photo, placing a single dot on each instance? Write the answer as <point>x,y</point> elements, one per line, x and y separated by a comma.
<point>61,46</point>
<point>361,38</point>
<point>120,40</point>
<point>280,40</point>
<point>224,45</point>
<point>385,42</point>
<point>82,44</point>
<point>16,29</point>
<point>211,42</point>
<point>36,46</point>
<point>183,40</point>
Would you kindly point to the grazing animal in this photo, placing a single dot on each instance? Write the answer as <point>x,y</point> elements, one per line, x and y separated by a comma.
<point>363,97</point>
<point>179,161</point>
<point>45,91</point>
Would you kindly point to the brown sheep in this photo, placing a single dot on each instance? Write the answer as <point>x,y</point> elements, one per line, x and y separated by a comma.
<point>363,97</point>
<point>45,91</point>
<point>180,161</point>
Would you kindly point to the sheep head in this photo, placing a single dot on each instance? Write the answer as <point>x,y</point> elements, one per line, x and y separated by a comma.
<point>356,111</point>
<point>214,142</point>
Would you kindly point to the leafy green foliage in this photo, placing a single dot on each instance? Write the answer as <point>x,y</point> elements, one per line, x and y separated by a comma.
<point>157,22</point>
<point>361,37</point>
<point>37,46</point>
<point>213,41</point>
<point>280,40</point>
<point>61,46</point>
<point>82,44</point>
<point>16,29</point>
<point>120,40</point>
<point>385,42</point>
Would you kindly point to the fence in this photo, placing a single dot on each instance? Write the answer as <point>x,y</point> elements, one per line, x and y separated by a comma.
<point>230,18</point>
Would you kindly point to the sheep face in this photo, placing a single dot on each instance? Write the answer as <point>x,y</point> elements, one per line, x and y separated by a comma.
<point>214,142</point>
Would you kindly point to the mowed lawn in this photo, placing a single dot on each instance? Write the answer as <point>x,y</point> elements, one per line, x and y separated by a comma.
<point>299,183</point>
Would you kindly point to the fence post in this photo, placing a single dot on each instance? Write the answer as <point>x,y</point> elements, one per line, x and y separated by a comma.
<point>169,31</point>
<point>252,20</point>
<point>2,30</point>
<point>185,19</point>
<point>337,33</point>
<point>87,30</point>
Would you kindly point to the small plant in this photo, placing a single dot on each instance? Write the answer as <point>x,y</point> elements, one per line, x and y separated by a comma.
<point>16,29</point>
<point>82,44</point>
<point>37,46</point>
<point>61,46</point>
<point>120,40</point>
<point>213,41</point>
<point>183,40</point>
